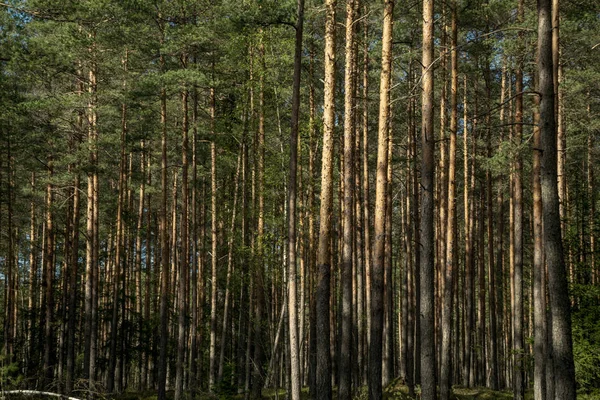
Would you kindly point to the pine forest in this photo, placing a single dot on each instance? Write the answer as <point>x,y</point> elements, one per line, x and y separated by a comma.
<point>299,199</point>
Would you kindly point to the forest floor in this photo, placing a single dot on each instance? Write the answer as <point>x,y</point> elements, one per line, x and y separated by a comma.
<point>393,391</point>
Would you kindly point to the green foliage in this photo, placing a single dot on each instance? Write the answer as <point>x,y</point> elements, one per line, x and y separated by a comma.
<point>586,337</point>
<point>10,374</point>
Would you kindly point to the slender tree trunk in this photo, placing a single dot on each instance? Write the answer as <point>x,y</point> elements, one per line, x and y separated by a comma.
<point>518,349</point>
<point>381,193</point>
<point>48,279</point>
<point>562,342</point>
<point>10,317</point>
<point>32,347</point>
<point>311,232</point>
<point>119,250</point>
<point>226,304</point>
<point>73,287</point>
<point>138,263</point>
<point>539,284</point>
<point>388,292</point>
<point>366,191</point>
<point>450,257</point>
<point>259,286</point>
<point>591,187</point>
<point>345,359</point>
<point>214,254</point>
<point>500,244</point>
<point>468,214</point>
<point>182,298</point>
<point>91,285</point>
<point>291,212</point>
<point>493,315</point>
<point>164,253</point>
<point>427,270</point>
<point>323,372</point>
<point>196,284</point>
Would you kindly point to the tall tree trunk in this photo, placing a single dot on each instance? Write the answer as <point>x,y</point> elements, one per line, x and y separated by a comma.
<point>311,231</point>
<point>196,285</point>
<point>119,250</point>
<point>500,243</point>
<point>32,327</point>
<point>539,283</point>
<point>493,315</point>
<point>138,263</point>
<point>468,371</point>
<point>182,298</point>
<point>381,193</point>
<point>450,257</point>
<point>366,191</point>
<point>562,342</point>
<point>91,288</point>
<point>11,278</point>
<point>345,358</point>
<point>73,287</point>
<point>259,310</point>
<point>164,253</point>
<point>518,366</point>
<point>291,212</point>
<point>214,254</point>
<point>48,279</point>
<point>323,372</point>
<point>427,270</point>
<point>230,241</point>
<point>388,292</point>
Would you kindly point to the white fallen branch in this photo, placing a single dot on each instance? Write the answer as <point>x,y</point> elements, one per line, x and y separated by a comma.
<point>37,393</point>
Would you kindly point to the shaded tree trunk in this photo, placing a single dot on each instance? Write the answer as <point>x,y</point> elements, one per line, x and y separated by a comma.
<point>294,358</point>
<point>562,342</point>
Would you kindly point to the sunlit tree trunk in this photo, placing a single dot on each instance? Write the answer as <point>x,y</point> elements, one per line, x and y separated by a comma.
<point>450,257</point>
<point>294,355</point>
<point>323,372</point>
<point>345,357</point>
<point>381,193</point>
<point>427,271</point>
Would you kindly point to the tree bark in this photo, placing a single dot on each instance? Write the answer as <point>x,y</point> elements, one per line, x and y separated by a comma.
<point>518,366</point>
<point>450,257</point>
<point>539,283</point>
<point>323,389</point>
<point>427,310</point>
<point>562,342</point>
<point>381,193</point>
<point>291,212</point>
<point>214,255</point>
<point>164,253</point>
<point>182,298</point>
<point>345,359</point>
